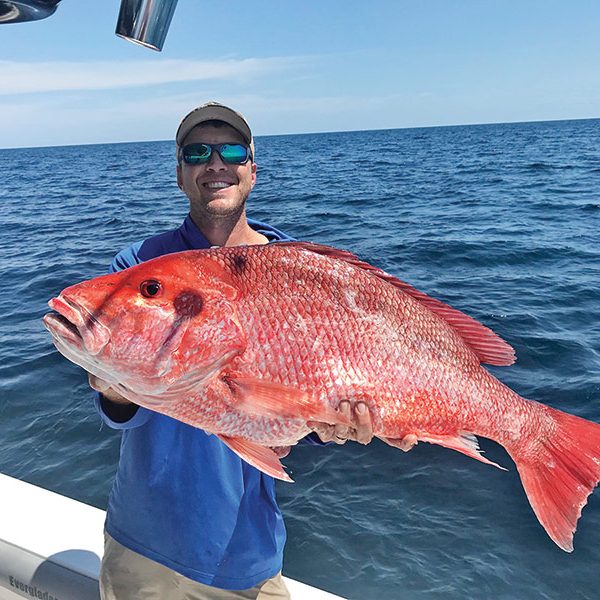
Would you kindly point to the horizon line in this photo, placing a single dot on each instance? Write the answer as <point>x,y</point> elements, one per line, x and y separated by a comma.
<point>447,125</point>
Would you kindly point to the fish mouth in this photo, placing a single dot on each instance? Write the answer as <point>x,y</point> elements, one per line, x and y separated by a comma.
<point>59,326</point>
<point>75,325</point>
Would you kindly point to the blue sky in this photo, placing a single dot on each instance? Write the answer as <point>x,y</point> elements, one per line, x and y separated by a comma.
<point>306,66</point>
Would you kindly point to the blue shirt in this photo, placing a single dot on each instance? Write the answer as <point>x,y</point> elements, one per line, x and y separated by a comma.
<point>180,496</point>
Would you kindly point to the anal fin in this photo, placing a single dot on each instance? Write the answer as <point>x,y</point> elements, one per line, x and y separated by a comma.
<point>261,457</point>
<point>462,442</point>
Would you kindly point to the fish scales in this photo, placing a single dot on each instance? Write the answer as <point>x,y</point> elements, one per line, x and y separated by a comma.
<point>363,338</point>
<point>250,343</point>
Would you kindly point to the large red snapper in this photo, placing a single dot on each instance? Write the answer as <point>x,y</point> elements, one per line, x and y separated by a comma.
<point>252,342</point>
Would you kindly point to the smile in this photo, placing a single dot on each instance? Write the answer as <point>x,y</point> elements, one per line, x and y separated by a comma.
<point>217,185</point>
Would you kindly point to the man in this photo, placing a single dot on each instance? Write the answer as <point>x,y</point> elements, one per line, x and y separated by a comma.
<point>187,518</point>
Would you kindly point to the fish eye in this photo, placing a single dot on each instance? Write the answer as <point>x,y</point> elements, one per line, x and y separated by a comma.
<point>150,288</point>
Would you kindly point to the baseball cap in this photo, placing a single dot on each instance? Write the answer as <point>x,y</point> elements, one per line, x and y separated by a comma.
<point>214,111</point>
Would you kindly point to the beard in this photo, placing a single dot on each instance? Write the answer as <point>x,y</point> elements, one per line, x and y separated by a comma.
<point>219,207</point>
<point>222,207</point>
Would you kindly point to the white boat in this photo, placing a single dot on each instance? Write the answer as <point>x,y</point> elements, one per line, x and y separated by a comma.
<point>51,547</point>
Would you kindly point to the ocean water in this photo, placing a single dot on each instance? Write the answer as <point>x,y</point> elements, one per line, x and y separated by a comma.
<point>501,221</point>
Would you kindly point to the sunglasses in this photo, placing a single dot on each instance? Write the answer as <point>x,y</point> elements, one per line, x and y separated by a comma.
<point>200,154</point>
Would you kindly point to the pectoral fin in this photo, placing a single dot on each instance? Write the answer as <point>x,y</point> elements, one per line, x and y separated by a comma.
<point>273,400</point>
<point>264,459</point>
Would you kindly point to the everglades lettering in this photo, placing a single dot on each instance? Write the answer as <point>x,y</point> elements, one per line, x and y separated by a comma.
<point>32,590</point>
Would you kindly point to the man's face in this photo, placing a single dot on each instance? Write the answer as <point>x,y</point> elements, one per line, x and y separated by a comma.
<point>216,189</point>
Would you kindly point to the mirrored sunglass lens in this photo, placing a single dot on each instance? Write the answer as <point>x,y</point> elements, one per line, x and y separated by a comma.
<point>234,153</point>
<point>197,153</point>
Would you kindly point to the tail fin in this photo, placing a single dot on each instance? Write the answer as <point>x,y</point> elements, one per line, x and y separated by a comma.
<point>560,472</point>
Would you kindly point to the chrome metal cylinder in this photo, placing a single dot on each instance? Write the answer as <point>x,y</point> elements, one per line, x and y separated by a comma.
<point>145,22</point>
<point>18,11</point>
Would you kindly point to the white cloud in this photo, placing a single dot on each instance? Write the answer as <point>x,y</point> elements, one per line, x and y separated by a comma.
<point>54,76</point>
<point>137,114</point>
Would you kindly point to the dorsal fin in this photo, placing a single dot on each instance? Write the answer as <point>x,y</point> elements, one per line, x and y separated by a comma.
<point>489,347</point>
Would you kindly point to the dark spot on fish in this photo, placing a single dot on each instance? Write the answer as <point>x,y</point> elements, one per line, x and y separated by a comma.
<point>239,264</point>
<point>188,304</point>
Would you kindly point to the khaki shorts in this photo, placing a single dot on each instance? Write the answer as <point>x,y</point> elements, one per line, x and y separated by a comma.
<point>127,575</point>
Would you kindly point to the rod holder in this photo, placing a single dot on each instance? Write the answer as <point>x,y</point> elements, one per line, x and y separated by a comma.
<point>20,11</point>
<point>145,22</point>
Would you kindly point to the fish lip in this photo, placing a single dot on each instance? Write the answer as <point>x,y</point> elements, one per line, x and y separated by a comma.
<point>67,309</point>
<point>75,324</point>
<point>69,343</point>
<point>60,327</point>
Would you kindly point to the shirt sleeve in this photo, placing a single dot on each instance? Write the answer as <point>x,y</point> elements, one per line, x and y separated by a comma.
<point>126,258</point>
<point>113,420</point>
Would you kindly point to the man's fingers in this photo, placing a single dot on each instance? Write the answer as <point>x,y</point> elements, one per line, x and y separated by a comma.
<point>98,384</point>
<point>324,431</point>
<point>105,388</point>
<point>364,427</point>
<point>356,413</point>
<point>342,432</point>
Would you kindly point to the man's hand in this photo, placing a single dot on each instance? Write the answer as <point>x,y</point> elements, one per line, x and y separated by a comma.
<point>115,406</point>
<point>361,432</point>
<point>104,388</point>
